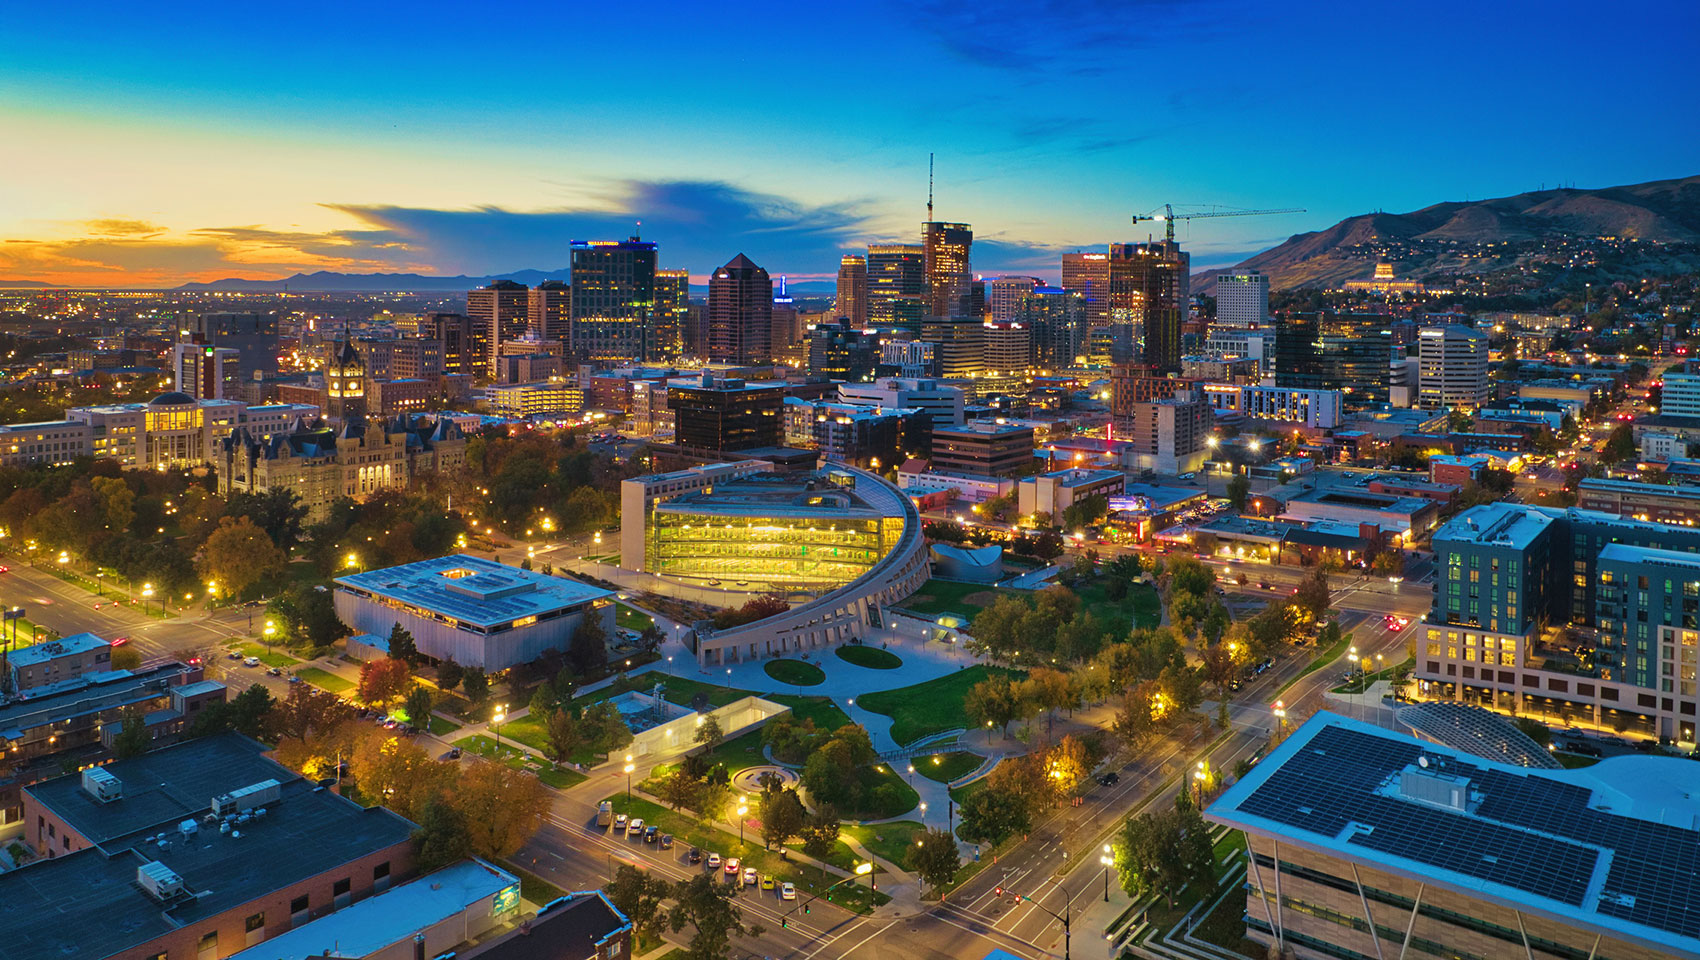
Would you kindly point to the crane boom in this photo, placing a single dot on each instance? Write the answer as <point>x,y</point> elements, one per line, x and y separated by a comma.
<point>1169,216</point>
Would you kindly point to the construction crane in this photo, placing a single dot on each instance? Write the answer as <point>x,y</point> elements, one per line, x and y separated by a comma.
<point>1168,216</point>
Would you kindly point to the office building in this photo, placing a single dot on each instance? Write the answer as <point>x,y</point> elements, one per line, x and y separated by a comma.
<point>947,248</point>
<point>740,313</point>
<point>785,336</point>
<point>1452,365</point>
<point>1059,321</point>
<point>942,403</point>
<point>672,314</point>
<point>723,414</point>
<point>252,335</point>
<point>1144,309</point>
<point>1008,347</point>
<point>863,436</point>
<point>1057,490</point>
<point>852,299</point>
<point>454,332</point>
<point>907,358</point>
<point>1088,274</point>
<point>497,314</point>
<point>538,398</point>
<point>1350,353</point>
<point>842,351</point>
<point>549,311</point>
<point>206,372</point>
<point>403,358</point>
<point>1004,296</point>
<point>1392,514</point>
<point>526,368</point>
<point>1167,435</point>
<point>476,611</point>
<point>1242,300</point>
<point>1681,396</point>
<point>1276,406</point>
<point>1256,344</point>
<point>1365,843</point>
<point>1214,368</point>
<point>1658,502</point>
<point>986,448</point>
<point>613,300</point>
<point>172,430</point>
<point>897,287</point>
<point>959,345</point>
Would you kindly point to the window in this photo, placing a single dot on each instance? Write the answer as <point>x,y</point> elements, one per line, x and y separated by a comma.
<point>255,921</point>
<point>340,894</point>
<point>207,949</point>
<point>298,910</point>
<point>381,877</point>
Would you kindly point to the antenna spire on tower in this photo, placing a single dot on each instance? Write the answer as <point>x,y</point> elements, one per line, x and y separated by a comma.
<point>929,188</point>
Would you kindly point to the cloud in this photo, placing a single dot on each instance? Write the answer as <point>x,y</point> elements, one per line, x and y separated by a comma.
<point>1041,39</point>
<point>122,228</point>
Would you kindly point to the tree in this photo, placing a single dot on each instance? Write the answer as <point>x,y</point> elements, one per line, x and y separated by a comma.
<point>1239,491</point>
<point>993,815</point>
<point>126,658</point>
<point>820,831</point>
<point>117,502</point>
<point>562,730</point>
<point>441,838</point>
<point>1049,690</point>
<point>708,732</point>
<point>398,772</point>
<point>475,684</point>
<point>402,646</point>
<point>503,807</point>
<point>588,650</point>
<point>248,712</point>
<point>934,859</point>
<point>640,896</point>
<point>1219,667</point>
<point>449,674</point>
<point>993,700</point>
<point>418,706</point>
<point>706,905</point>
<point>680,788</point>
<point>1067,765</point>
<point>1163,852</point>
<point>239,555</point>
<point>133,739</point>
<point>305,710</point>
<point>279,512</point>
<point>782,817</point>
<point>1313,595</point>
<point>383,682</point>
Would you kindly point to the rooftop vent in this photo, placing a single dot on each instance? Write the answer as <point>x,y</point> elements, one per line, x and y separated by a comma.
<point>253,795</point>
<point>1431,786</point>
<point>160,881</point>
<point>101,785</point>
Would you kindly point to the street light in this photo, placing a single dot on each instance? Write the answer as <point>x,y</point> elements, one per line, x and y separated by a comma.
<point>1199,776</point>
<point>868,869</point>
<point>923,813</point>
<point>147,591</point>
<point>1281,714</point>
<point>497,718</point>
<point>271,631</point>
<point>1108,860</point>
<point>743,808</point>
<point>988,733</point>
<point>629,768</point>
<point>351,561</point>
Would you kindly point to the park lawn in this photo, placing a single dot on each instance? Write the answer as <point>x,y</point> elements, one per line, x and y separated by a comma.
<point>325,680</point>
<point>1141,605</point>
<point>442,725</point>
<point>948,596</point>
<point>485,747</point>
<point>679,690</point>
<point>527,730</point>
<point>632,619</point>
<point>1572,761</point>
<point>795,673</point>
<point>688,832</point>
<point>906,797</point>
<point>560,779</point>
<point>945,767</point>
<point>269,658</point>
<point>873,658</point>
<point>962,793</point>
<point>841,856</point>
<point>737,754</point>
<point>1390,673</point>
<point>826,714</point>
<point>931,707</point>
<point>888,841</point>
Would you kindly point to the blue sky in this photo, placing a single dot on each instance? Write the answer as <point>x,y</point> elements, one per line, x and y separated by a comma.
<point>148,145</point>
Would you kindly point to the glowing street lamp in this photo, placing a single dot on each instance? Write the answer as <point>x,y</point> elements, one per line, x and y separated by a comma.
<point>743,808</point>
<point>629,768</point>
<point>351,561</point>
<point>1108,860</point>
<point>147,591</point>
<point>496,719</point>
<point>271,631</point>
<point>867,869</point>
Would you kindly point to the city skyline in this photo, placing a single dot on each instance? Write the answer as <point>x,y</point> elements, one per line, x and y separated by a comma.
<point>210,145</point>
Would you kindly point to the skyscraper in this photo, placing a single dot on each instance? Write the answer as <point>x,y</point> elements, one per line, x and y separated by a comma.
<point>947,247</point>
<point>1242,300</point>
<point>252,335</point>
<point>549,311</point>
<point>1452,367</point>
<point>672,311</point>
<point>1004,295</point>
<point>740,313</point>
<point>1143,309</point>
<point>784,339</point>
<point>959,344</point>
<point>897,287</point>
<point>498,314</point>
<point>613,299</point>
<point>1009,347</point>
<point>1057,318</point>
<point>1088,274</point>
<point>843,351</point>
<point>206,372</point>
<point>1335,351</point>
<point>853,290</point>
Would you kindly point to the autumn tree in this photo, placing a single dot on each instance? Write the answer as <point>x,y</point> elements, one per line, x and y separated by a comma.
<point>383,682</point>
<point>239,555</point>
<point>1068,765</point>
<point>934,858</point>
<point>304,709</point>
<point>399,773</point>
<point>1049,690</point>
<point>993,700</point>
<point>126,658</point>
<point>441,838</point>
<point>503,807</point>
<point>1220,667</point>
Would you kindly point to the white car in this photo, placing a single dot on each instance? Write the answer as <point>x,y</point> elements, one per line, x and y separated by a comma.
<point>787,891</point>
<point>635,827</point>
<point>251,662</point>
<point>750,878</point>
<point>620,823</point>
<point>714,861</point>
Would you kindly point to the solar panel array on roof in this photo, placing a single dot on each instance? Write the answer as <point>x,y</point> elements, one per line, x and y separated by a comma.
<point>1530,832</point>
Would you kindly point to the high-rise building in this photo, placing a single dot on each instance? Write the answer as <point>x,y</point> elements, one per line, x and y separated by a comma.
<point>1144,311</point>
<point>897,287</point>
<point>740,313</point>
<point>728,414</point>
<point>1004,296</point>
<point>959,345</point>
<point>498,314</point>
<point>1009,347</point>
<point>947,249</point>
<point>1348,352</point>
<point>345,383</point>
<point>843,351</point>
<point>785,336</point>
<point>908,358</point>
<point>454,332</point>
<point>672,314</point>
<point>1242,300</point>
<point>1058,320</point>
<point>1452,367</point>
<point>852,300</point>
<point>549,311</point>
<point>613,300</point>
<point>252,335</point>
<point>206,372</point>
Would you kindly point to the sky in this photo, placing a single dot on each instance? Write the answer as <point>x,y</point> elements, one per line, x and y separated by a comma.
<point>148,144</point>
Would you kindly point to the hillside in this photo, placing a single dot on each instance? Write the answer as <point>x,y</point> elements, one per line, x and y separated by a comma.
<point>1453,238</point>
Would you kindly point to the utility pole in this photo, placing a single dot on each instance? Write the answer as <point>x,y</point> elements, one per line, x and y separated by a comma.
<point>1063,918</point>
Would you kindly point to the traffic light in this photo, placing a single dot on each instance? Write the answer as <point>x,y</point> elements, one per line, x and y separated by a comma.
<point>999,891</point>
<point>805,908</point>
<point>784,922</point>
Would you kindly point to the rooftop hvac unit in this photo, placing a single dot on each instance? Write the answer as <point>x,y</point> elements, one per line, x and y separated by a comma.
<point>102,785</point>
<point>160,881</point>
<point>253,795</point>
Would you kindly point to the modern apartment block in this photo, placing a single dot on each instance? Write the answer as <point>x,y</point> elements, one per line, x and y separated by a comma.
<point>1168,435</point>
<point>943,403</point>
<point>1350,353</point>
<point>1005,294</point>
<point>1242,300</point>
<point>1059,321</point>
<point>1658,502</point>
<point>1452,367</point>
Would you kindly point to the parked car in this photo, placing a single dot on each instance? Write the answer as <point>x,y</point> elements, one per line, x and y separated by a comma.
<point>635,827</point>
<point>651,833</point>
<point>620,823</point>
<point>766,882</point>
<point>732,865</point>
<point>750,878</point>
<point>695,856</point>
<point>251,662</point>
<point>667,841</point>
<point>787,891</point>
<point>714,861</point>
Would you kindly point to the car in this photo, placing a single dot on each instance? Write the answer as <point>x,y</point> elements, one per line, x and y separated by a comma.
<point>651,833</point>
<point>667,841</point>
<point>251,661</point>
<point>635,827</point>
<point>1395,579</point>
<point>454,754</point>
<point>695,856</point>
<point>620,823</point>
<point>294,679</point>
<point>5,569</point>
<point>732,865</point>
<point>787,891</point>
<point>120,641</point>
<point>233,655</point>
<point>750,876</point>
<point>1264,585</point>
<point>274,672</point>
<point>714,861</point>
<point>766,881</point>
<point>1109,779</point>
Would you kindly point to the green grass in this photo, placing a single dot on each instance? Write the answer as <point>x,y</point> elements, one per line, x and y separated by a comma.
<point>795,672</point>
<point>1572,761</point>
<point>1322,659</point>
<point>560,779</point>
<point>688,832</point>
<point>840,856</point>
<point>905,796</point>
<point>1141,605</point>
<point>441,725</point>
<point>533,887</point>
<point>946,596</point>
<point>1390,673</point>
<point>738,754</point>
<point>270,659</point>
<point>871,657</point>
<point>826,714</point>
<point>962,793</point>
<point>678,690</point>
<point>527,730</point>
<point>945,767</point>
<point>482,746</point>
<point>931,707</point>
<point>325,680</point>
<point>487,748</point>
<point>631,619</point>
<point>888,841</point>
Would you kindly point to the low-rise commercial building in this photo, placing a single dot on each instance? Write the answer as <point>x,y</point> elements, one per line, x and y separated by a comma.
<point>983,448</point>
<point>539,398</point>
<point>864,436</point>
<point>578,926</point>
<point>1408,516</point>
<point>942,402</point>
<point>1660,503</point>
<point>43,664</point>
<point>85,712</point>
<point>478,612</point>
<point>1056,491</point>
<point>1283,406</point>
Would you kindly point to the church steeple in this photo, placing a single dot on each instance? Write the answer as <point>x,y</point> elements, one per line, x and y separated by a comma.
<point>345,382</point>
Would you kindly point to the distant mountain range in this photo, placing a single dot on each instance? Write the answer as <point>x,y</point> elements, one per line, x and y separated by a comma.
<point>327,281</point>
<point>1429,241</point>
